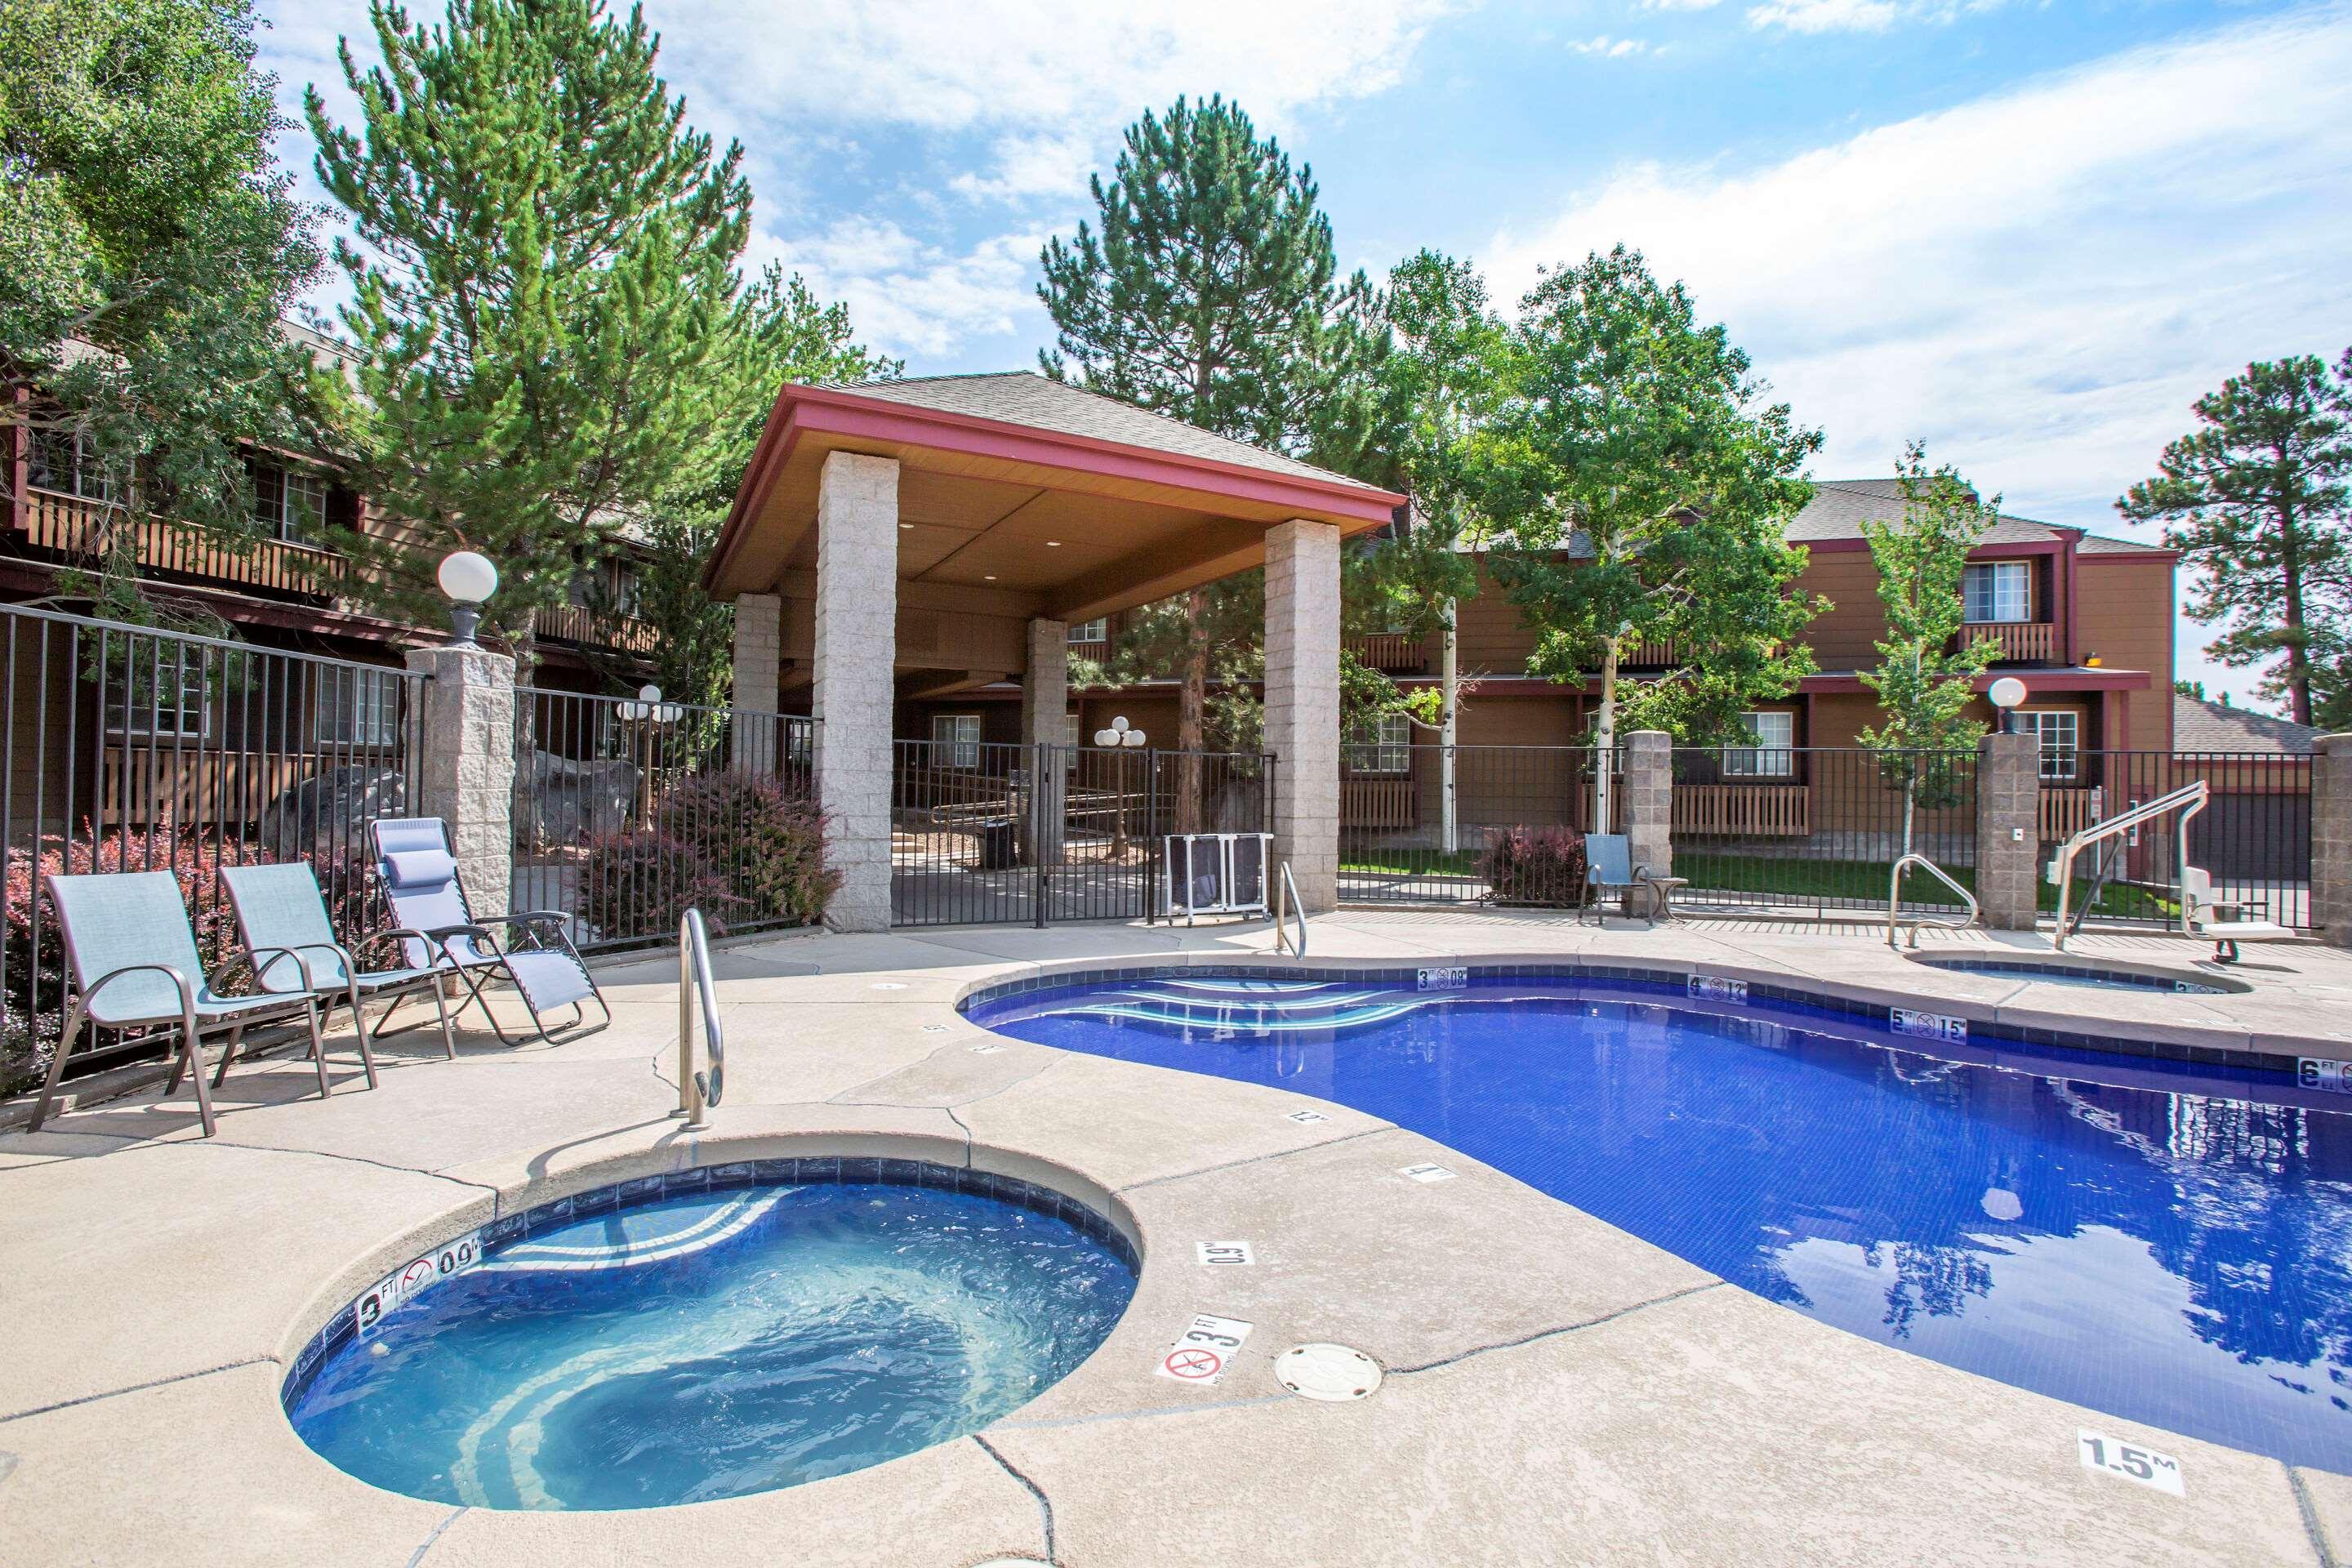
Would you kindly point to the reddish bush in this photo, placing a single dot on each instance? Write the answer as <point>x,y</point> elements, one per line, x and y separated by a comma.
<point>744,849</point>
<point>1539,866</point>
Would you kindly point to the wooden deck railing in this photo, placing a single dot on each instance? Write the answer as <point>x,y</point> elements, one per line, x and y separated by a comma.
<point>2019,642</point>
<point>71,525</point>
<point>1377,801</point>
<point>2065,811</point>
<point>1743,811</point>
<point>1388,652</point>
<point>1649,654</point>
<point>577,624</point>
<point>148,782</point>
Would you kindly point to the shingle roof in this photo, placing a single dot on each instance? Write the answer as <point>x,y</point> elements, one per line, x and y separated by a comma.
<point>2201,726</point>
<point>1024,397</point>
<point>1839,508</point>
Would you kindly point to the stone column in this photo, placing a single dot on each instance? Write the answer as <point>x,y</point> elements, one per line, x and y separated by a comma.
<point>759,651</point>
<point>2331,838</point>
<point>2009,830</point>
<point>1302,703</point>
<point>465,764</point>
<point>1646,800</point>
<point>1044,703</point>
<point>856,649</point>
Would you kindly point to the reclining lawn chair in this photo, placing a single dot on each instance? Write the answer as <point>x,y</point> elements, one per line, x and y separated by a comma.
<point>420,884</point>
<point>1609,872</point>
<point>134,962</point>
<point>280,908</point>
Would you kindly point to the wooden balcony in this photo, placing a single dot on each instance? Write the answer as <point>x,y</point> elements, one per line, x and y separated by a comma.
<point>1649,656</point>
<point>1743,811</point>
<point>2066,810</point>
<point>1390,653</point>
<point>2018,642</point>
<point>581,628</point>
<point>73,526</point>
<point>1378,802</point>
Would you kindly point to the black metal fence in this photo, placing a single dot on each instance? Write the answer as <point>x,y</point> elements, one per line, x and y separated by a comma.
<point>1816,828</point>
<point>2254,836</point>
<point>134,749</point>
<point>628,812</point>
<point>1402,841</point>
<point>988,833</point>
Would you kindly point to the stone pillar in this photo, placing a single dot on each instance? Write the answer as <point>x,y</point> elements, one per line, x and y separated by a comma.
<point>856,649</point>
<point>1302,703</point>
<point>2331,838</point>
<point>1044,703</point>
<point>465,764</point>
<point>1646,800</point>
<point>2009,830</point>
<point>759,651</point>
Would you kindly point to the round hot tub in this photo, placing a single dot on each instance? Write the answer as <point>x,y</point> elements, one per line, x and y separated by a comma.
<point>709,1333</point>
<point>2099,976</point>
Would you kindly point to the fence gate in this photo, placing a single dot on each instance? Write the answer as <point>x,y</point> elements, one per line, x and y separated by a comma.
<point>2254,836</point>
<point>990,833</point>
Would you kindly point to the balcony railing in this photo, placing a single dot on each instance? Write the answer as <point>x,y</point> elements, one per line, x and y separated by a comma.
<point>2018,642</point>
<point>73,526</point>
<point>578,625</point>
<point>1389,652</point>
<point>1743,811</point>
<point>1377,801</point>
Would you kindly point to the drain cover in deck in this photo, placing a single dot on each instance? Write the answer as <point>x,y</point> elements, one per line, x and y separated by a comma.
<point>1326,1372</point>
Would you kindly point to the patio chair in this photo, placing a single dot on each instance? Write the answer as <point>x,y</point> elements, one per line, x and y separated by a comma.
<point>428,899</point>
<point>280,909</point>
<point>134,962</point>
<point>1608,871</point>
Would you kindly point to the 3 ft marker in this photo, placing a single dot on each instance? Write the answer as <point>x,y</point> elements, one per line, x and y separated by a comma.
<point>1204,1351</point>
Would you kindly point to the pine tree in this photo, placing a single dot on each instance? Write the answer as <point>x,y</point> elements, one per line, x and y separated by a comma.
<point>1926,670</point>
<point>2260,501</point>
<point>544,279</point>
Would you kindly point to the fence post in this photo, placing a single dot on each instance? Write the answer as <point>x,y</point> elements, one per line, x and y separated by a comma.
<point>2331,838</point>
<point>2009,830</point>
<point>465,769</point>
<point>1647,810</point>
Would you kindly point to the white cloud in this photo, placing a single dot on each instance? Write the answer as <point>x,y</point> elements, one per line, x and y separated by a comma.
<point>1609,47</point>
<point>909,296</point>
<point>2037,283</point>
<point>1857,16</point>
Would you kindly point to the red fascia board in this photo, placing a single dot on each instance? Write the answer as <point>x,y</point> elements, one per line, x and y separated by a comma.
<point>2002,552</point>
<point>2038,682</point>
<point>2152,553</point>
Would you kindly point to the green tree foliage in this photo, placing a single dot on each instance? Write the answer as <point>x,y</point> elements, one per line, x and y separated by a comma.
<point>2256,499</point>
<point>1642,488</point>
<point>142,217</point>
<point>1926,670</point>
<point>543,285</point>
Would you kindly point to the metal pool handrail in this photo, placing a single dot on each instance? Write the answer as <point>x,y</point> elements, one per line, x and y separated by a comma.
<point>2188,800</point>
<point>697,1091</point>
<point>1285,903</point>
<point>1894,899</point>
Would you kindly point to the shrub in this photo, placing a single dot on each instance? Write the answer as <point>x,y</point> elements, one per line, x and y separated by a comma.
<point>745,848</point>
<point>1540,866</point>
<point>642,881</point>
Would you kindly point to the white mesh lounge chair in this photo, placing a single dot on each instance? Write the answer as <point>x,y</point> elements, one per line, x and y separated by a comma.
<point>427,897</point>
<point>280,910</point>
<point>134,962</point>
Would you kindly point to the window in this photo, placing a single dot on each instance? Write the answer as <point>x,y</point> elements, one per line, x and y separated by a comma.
<point>2060,730</point>
<point>66,462</point>
<point>357,708</point>
<point>1069,735</point>
<point>1997,591</point>
<point>1773,755</point>
<point>290,503</point>
<point>158,698</point>
<point>955,739</point>
<point>1383,746</point>
<point>1096,630</point>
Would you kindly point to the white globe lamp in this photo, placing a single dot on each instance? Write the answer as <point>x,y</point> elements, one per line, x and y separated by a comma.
<point>2006,694</point>
<point>469,578</point>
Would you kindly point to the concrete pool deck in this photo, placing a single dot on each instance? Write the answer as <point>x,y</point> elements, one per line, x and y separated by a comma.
<point>1556,1391</point>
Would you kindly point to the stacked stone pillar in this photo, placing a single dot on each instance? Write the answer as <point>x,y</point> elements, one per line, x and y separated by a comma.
<point>2331,838</point>
<point>1646,800</point>
<point>1044,703</point>
<point>1302,703</point>
<point>2009,831</point>
<point>465,764</point>
<point>759,655</point>
<point>856,651</point>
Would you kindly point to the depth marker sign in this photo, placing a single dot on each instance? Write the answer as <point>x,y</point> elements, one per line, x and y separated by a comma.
<point>1203,1350</point>
<point>413,1278</point>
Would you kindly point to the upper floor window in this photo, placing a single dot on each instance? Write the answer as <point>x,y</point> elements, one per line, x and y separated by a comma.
<point>1383,746</point>
<point>955,739</point>
<point>66,462</point>
<point>1997,591</point>
<point>1774,753</point>
<point>1096,630</point>
<point>2060,730</point>
<point>290,504</point>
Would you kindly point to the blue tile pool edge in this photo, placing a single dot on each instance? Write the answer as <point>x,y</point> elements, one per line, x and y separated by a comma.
<point>806,1170</point>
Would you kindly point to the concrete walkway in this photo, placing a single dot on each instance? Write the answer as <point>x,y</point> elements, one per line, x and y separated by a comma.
<point>1557,1391</point>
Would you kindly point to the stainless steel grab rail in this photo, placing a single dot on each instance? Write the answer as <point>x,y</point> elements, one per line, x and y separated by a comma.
<point>2188,800</point>
<point>1285,903</point>
<point>698,1091</point>
<point>1894,899</point>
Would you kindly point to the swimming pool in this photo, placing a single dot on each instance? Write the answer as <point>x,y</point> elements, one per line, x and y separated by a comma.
<point>2165,1243</point>
<point>719,1331</point>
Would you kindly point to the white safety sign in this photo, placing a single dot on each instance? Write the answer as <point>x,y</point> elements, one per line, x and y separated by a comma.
<point>1204,1351</point>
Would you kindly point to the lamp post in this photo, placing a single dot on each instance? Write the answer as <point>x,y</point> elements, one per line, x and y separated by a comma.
<point>1124,737</point>
<point>2006,694</point>
<point>647,711</point>
<point>468,579</point>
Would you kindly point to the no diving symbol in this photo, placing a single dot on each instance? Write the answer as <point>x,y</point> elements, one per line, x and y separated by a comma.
<point>1193,1363</point>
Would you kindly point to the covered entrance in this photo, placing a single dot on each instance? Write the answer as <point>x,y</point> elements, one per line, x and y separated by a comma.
<point>900,542</point>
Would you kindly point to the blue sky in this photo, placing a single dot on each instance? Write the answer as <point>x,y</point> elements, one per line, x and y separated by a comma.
<point>2030,233</point>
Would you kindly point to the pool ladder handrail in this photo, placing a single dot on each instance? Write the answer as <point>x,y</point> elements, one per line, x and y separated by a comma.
<point>1287,904</point>
<point>697,1092</point>
<point>1894,899</point>
<point>2188,800</point>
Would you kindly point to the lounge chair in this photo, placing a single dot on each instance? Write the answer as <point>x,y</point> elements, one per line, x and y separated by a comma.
<point>1609,872</point>
<point>280,910</point>
<point>134,962</point>
<point>428,899</point>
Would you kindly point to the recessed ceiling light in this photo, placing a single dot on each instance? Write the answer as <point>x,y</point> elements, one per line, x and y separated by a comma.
<point>906,525</point>
<point>987,577</point>
<point>1053,545</point>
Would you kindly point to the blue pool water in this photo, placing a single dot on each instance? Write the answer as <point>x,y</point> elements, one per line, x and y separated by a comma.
<point>706,1346</point>
<point>2167,1244</point>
